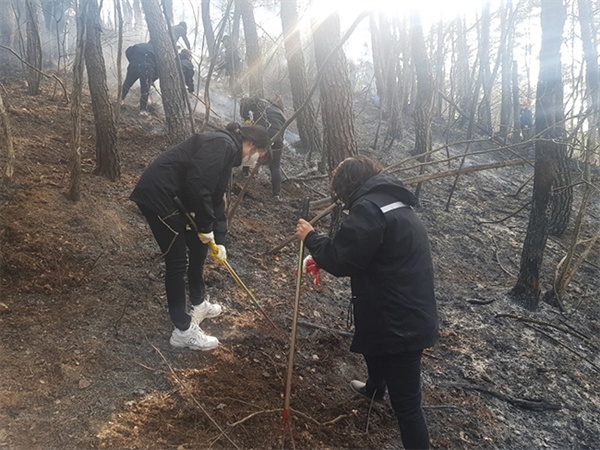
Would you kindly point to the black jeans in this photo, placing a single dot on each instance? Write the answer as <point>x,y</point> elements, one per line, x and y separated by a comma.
<point>275,168</point>
<point>177,246</point>
<point>146,74</point>
<point>401,373</point>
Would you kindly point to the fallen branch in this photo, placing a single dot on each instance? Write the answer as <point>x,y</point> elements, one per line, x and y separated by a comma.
<point>292,238</point>
<point>547,324</point>
<point>254,414</point>
<point>322,328</point>
<point>534,404</point>
<point>53,76</point>
<point>191,396</point>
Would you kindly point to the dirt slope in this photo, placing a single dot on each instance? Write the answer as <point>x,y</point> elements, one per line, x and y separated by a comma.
<point>84,355</point>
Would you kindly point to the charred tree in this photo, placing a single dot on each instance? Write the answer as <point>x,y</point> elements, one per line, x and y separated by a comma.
<point>209,34</point>
<point>171,84</point>
<point>307,118</point>
<point>485,107</point>
<point>506,59</point>
<point>548,147</point>
<point>107,153</point>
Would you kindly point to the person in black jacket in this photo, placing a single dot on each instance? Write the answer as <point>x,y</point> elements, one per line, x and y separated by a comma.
<point>269,115</point>
<point>142,66</point>
<point>187,67</point>
<point>383,247</point>
<point>197,172</point>
<point>179,31</point>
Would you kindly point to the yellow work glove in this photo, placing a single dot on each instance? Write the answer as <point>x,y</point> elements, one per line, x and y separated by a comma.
<point>205,238</point>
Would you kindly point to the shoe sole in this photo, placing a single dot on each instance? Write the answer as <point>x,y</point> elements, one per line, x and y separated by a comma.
<point>204,349</point>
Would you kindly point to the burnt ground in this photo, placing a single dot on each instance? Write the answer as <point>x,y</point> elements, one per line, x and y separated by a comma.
<point>84,355</point>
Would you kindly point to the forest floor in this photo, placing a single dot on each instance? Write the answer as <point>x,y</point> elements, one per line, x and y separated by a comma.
<point>85,360</point>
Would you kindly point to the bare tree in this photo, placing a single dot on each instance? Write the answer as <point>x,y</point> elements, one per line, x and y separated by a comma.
<point>549,108</point>
<point>107,153</point>
<point>307,118</point>
<point>209,34</point>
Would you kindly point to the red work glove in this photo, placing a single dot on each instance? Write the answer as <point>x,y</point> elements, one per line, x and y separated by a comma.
<point>310,266</point>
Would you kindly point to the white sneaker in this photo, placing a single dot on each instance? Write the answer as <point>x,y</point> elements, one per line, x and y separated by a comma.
<point>205,310</point>
<point>193,338</point>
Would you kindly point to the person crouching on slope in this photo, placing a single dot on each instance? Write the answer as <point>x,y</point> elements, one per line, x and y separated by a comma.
<point>197,172</point>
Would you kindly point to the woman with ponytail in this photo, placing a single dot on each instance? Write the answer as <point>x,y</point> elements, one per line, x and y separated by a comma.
<point>196,174</point>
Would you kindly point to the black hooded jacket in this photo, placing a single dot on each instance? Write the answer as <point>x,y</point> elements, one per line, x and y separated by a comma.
<point>197,171</point>
<point>265,113</point>
<point>383,246</point>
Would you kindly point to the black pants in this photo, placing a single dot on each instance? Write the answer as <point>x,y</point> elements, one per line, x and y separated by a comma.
<point>146,74</point>
<point>401,373</point>
<point>275,168</point>
<point>177,245</point>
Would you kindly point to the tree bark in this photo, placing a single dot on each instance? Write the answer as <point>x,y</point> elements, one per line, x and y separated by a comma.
<point>107,153</point>
<point>506,58</point>
<point>209,34</point>
<point>549,107</point>
<point>253,52</point>
<point>171,83</point>
<point>33,48</point>
<point>7,138</point>
<point>307,118</point>
<point>339,141</point>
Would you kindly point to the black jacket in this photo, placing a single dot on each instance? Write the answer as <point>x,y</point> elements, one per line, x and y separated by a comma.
<point>197,171</point>
<point>265,113</point>
<point>187,67</point>
<point>141,54</point>
<point>383,246</point>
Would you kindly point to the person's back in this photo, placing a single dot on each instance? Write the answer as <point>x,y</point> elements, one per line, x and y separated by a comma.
<point>142,66</point>
<point>187,67</point>
<point>141,54</point>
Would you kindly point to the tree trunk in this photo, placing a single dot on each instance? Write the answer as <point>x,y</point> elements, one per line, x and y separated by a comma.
<point>209,34</point>
<point>506,58</point>
<point>424,100</point>
<point>171,83</point>
<point>548,108</point>
<point>7,138</point>
<point>485,108</point>
<point>34,48</point>
<point>335,89</point>
<point>74,193</point>
<point>107,153</point>
<point>462,74</point>
<point>307,119</point>
<point>253,52</point>
<point>516,103</point>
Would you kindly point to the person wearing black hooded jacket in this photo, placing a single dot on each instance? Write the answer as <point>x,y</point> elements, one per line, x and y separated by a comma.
<point>195,171</point>
<point>269,115</point>
<point>383,247</point>
<point>142,66</point>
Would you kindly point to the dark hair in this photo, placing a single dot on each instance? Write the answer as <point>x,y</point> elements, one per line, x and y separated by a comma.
<point>256,134</point>
<point>351,174</point>
<point>185,54</point>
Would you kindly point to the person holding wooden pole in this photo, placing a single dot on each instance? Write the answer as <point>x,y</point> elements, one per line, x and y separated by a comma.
<point>193,175</point>
<point>383,247</point>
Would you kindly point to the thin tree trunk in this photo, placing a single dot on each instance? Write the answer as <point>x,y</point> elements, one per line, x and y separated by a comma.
<point>7,139</point>
<point>548,107</point>
<point>74,193</point>
<point>253,51</point>
<point>208,28</point>
<point>515,103</point>
<point>107,153</point>
<point>506,58</point>
<point>34,48</point>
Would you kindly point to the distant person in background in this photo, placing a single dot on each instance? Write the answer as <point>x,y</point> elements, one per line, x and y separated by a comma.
<point>526,119</point>
<point>179,31</point>
<point>187,67</point>
<point>142,66</point>
<point>255,110</point>
<point>231,62</point>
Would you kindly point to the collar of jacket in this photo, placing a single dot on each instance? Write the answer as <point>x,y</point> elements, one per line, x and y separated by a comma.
<point>383,182</point>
